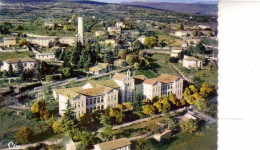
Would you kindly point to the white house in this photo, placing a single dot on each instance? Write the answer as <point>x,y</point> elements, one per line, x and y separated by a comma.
<point>151,88</point>
<point>27,63</point>
<point>191,62</point>
<point>118,144</point>
<point>126,84</point>
<point>182,33</point>
<point>113,30</point>
<point>45,56</point>
<point>141,39</point>
<point>176,51</point>
<point>120,24</point>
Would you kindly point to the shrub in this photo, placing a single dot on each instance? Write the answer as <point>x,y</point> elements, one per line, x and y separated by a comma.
<point>188,125</point>
<point>24,135</point>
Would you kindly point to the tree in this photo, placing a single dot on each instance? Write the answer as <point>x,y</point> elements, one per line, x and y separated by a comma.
<point>138,103</point>
<point>150,41</point>
<point>22,42</point>
<point>138,45</point>
<point>86,141</point>
<point>107,132</point>
<point>148,109</point>
<point>66,72</point>
<point>200,48</point>
<point>105,120</point>
<point>130,59</point>
<point>122,53</point>
<point>84,119</point>
<point>69,120</point>
<point>181,27</point>
<point>142,144</point>
<point>206,90</point>
<point>137,66</point>
<point>23,135</point>
<point>128,105</point>
<point>188,125</point>
<point>10,71</point>
<point>19,67</point>
<point>158,105</point>
<point>57,127</point>
<point>201,104</point>
<point>39,110</point>
<point>38,72</point>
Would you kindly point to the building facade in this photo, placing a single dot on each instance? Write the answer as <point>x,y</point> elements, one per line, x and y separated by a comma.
<point>191,62</point>
<point>27,63</point>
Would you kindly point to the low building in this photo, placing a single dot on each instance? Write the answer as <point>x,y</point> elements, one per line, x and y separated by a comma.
<point>45,56</point>
<point>114,30</point>
<point>100,33</point>
<point>165,135</point>
<point>8,41</point>
<point>176,52</point>
<point>141,39</point>
<point>183,33</point>
<point>120,25</point>
<point>28,64</point>
<point>42,41</point>
<point>120,63</point>
<point>16,23</point>
<point>49,24</point>
<point>184,44</point>
<point>191,62</point>
<point>110,41</point>
<point>118,144</point>
<point>101,68</point>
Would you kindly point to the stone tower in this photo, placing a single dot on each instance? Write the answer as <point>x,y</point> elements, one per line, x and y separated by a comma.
<point>80,30</point>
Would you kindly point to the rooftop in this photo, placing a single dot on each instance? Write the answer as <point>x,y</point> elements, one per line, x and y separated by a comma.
<point>191,59</point>
<point>165,78</point>
<point>119,76</point>
<point>140,77</point>
<point>114,144</point>
<point>15,60</point>
<point>150,81</point>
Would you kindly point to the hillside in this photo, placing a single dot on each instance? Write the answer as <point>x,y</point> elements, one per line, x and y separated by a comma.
<point>195,8</point>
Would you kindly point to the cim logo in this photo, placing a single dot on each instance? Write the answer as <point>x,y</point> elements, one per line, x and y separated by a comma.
<point>12,145</point>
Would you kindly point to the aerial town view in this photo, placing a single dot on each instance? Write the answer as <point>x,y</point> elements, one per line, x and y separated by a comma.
<point>108,75</point>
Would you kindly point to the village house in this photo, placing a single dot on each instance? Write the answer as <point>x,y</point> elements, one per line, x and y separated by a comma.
<point>141,39</point>
<point>120,25</point>
<point>49,24</point>
<point>8,41</point>
<point>176,52</point>
<point>100,33</point>
<point>163,85</point>
<point>184,44</point>
<point>42,41</point>
<point>165,135</point>
<point>191,62</point>
<point>120,63</point>
<point>100,68</point>
<point>45,56</point>
<point>118,144</point>
<point>113,30</point>
<point>16,23</point>
<point>110,42</point>
<point>27,63</point>
<point>139,80</point>
<point>183,33</point>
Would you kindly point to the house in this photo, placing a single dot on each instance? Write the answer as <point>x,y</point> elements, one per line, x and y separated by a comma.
<point>120,24</point>
<point>28,64</point>
<point>176,52</point>
<point>163,85</point>
<point>92,96</point>
<point>110,41</point>
<point>120,63</point>
<point>127,85</point>
<point>9,41</point>
<point>45,56</point>
<point>42,41</point>
<point>139,80</point>
<point>118,144</point>
<point>191,62</point>
<point>141,39</point>
<point>16,23</point>
<point>165,135</point>
<point>113,30</point>
<point>100,33</point>
<point>49,24</point>
<point>183,33</point>
<point>100,68</point>
<point>184,44</point>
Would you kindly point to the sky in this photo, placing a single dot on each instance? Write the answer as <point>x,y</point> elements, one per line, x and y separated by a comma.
<point>174,1</point>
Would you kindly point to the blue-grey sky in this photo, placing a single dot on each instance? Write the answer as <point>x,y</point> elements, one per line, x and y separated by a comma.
<point>173,1</point>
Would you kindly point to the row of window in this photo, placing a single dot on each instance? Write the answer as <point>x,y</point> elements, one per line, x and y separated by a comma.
<point>95,100</point>
<point>90,110</point>
<point>165,86</point>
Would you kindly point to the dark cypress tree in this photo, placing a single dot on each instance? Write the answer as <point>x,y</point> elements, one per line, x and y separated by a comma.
<point>10,71</point>
<point>37,71</point>
<point>19,67</point>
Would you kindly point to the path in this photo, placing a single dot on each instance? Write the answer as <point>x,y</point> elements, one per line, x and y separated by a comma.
<point>34,144</point>
<point>203,116</point>
<point>183,76</point>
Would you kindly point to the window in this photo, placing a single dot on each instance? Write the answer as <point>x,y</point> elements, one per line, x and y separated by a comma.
<point>78,104</point>
<point>94,100</point>
<point>90,110</point>
<point>98,107</point>
<point>102,107</point>
<point>82,103</point>
<point>102,98</point>
<point>87,101</point>
<point>87,110</point>
<point>82,112</point>
<point>90,101</point>
<point>171,86</point>
<point>98,99</point>
<point>108,98</point>
<point>115,97</point>
<point>75,105</point>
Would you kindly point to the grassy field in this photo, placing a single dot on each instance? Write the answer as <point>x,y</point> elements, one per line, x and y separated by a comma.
<point>206,139</point>
<point>5,56</point>
<point>138,129</point>
<point>208,75</point>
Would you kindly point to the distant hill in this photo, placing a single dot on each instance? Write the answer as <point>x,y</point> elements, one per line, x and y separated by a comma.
<point>194,8</point>
<point>75,1</point>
